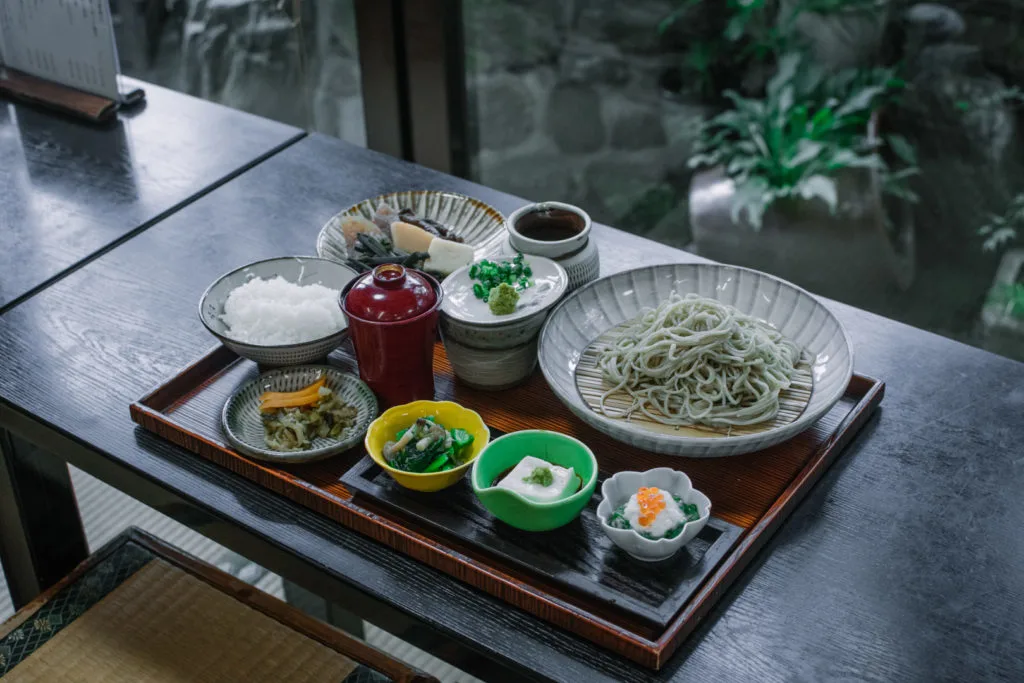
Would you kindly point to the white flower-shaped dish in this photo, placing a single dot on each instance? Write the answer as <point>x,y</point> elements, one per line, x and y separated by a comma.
<point>616,490</point>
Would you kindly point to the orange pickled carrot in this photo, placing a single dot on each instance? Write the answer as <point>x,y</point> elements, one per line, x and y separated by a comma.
<point>272,400</point>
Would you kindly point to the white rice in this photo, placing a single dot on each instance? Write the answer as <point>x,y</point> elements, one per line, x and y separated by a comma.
<point>275,312</point>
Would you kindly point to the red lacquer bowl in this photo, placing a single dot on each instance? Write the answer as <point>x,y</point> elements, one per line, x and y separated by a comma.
<point>392,316</point>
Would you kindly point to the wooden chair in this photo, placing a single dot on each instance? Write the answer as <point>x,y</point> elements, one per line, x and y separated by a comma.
<point>140,610</point>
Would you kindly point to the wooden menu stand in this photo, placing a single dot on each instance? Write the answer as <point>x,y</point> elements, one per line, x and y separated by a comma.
<point>23,87</point>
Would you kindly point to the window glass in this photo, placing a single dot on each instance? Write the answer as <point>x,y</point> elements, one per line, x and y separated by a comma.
<point>294,61</point>
<point>867,150</point>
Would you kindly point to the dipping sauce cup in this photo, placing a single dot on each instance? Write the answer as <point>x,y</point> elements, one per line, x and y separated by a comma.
<point>550,229</point>
<point>392,316</point>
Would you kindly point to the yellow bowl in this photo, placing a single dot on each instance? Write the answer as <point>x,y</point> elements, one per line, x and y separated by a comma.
<point>446,413</point>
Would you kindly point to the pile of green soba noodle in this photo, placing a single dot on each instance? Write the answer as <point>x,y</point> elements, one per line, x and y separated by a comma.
<point>694,360</point>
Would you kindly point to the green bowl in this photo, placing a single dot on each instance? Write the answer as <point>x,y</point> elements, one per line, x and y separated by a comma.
<point>505,453</point>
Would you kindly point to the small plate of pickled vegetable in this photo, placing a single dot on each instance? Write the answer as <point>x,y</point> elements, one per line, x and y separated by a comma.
<point>299,414</point>
<point>490,292</point>
<point>427,445</point>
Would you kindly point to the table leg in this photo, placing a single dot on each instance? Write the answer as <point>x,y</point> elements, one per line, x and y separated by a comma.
<point>322,609</point>
<point>41,534</point>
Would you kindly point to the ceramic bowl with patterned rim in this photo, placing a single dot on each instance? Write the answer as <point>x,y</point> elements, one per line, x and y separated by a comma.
<point>301,270</point>
<point>478,223</point>
<point>591,311</point>
<point>243,424</point>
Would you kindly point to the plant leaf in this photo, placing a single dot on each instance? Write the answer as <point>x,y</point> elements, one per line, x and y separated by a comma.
<point>847,158</point>
<point>806,150</point>
<point>787,68</point>
<point>860,101</point>
<point>902,192</point>
<point>821,121</point>
<point>903,149</point>
<point>749,197</point>
<point>822,187</point>
<point>702,160</point>
<point>785,103</point>
<point>735,28</point>
<point>905,173</point>
<point>998,238</point>
<point>666,23</point>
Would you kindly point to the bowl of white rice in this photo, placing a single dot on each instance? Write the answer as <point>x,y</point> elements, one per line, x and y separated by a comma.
<point>281,311</point>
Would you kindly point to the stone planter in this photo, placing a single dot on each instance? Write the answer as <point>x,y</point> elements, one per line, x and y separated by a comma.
<point>1002,331</point>
<point>861,255</point>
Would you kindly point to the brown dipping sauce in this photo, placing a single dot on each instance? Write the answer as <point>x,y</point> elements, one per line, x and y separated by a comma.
<point>550,225</point>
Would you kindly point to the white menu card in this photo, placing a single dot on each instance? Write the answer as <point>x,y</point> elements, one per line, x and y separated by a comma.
<point>65,41</point>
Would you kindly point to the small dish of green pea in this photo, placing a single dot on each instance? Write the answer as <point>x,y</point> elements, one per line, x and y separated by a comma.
<point>494,292</point>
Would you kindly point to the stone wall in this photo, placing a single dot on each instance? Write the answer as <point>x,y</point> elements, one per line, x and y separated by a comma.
<point>568,104</point>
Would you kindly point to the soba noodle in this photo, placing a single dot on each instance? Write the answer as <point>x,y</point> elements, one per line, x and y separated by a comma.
<point>694,360</point>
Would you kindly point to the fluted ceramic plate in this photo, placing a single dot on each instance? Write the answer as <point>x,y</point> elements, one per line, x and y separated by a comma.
<point>592,310</point>
<point>243,425</point>
<point>479,224</point>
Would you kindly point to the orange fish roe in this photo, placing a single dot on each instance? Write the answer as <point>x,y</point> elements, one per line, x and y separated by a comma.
<point>651,502</point>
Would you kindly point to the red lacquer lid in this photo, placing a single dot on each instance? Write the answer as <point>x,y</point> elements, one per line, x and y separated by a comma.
<point>390,293</point>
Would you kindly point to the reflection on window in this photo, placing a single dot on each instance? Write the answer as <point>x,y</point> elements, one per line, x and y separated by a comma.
<point>869,150</point>
<point>293,61</point>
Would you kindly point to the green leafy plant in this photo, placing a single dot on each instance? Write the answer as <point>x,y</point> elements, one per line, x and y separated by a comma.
<point>756,31</point>
<point>1013,96</point>
<point>1011,297</point>
<point>1002,229</point>
<point>807,128</point>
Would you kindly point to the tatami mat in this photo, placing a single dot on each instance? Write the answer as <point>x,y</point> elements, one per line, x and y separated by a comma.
<point>164,624</point>
<point>106,512</point>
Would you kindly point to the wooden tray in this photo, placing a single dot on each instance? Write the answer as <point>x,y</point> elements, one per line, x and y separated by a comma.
<point>754,492</point>
<point>579,558</point>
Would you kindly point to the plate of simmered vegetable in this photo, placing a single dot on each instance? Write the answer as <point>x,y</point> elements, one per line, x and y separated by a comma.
<point>299,414</point>
<point>438,232</point>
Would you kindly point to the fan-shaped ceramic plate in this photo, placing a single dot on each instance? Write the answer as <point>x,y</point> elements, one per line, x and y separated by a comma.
<point>243,425</point>
<point>478,223</point>
<point>591,311</point>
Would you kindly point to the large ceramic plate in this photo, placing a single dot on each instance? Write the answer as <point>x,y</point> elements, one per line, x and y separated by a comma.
<point>476,222</point>
<point>594,309</point>
<point>243,425</point>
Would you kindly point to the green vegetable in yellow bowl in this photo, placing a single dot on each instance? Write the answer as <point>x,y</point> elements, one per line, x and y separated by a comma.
<point>427,446</point>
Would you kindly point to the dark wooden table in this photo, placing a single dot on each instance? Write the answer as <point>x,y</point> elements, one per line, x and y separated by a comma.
<point>904,563</point>
<point>69,189</point>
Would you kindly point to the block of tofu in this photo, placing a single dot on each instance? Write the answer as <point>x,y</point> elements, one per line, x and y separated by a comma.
<point>528,479</point>
<point>410,238</point>
<point>447,257</point>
